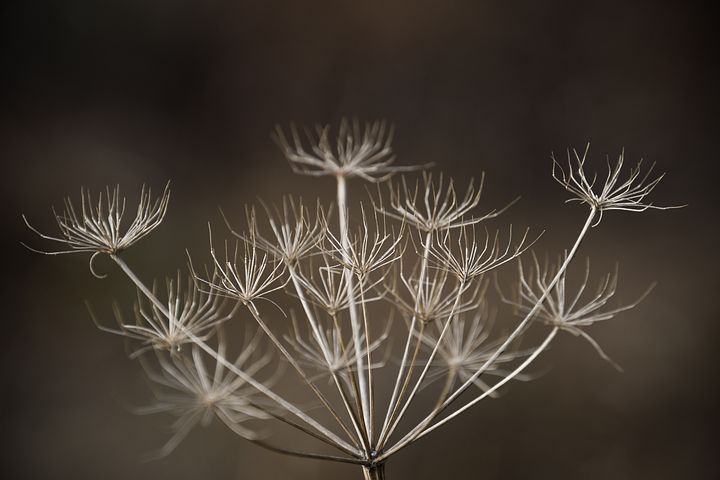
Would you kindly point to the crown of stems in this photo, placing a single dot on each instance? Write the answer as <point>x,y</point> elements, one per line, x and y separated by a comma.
<point>433,206</point>
<point>613,194</point>
<point>466,259</point>
<point>466,346</point>
<point>563,309</point>
<point>195,392</point>
<point>191,313</point>
<point>334,276</point>
<point>357,152</point>
<point>97,226</point>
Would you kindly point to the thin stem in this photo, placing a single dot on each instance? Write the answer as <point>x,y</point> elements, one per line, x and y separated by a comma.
<point>253,310</point>
<point>326,353</point>
<point>295,453</point>
<point>352,307</point>
<point>140,285</point>
<point>397,391</point>
<point>368,353</point>
<point>374,472</point>
<point>418,383</point>
<point>414,435</point>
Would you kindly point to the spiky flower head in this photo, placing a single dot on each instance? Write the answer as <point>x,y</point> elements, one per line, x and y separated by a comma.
<point>364,152</point>
<point>296,231</point>
<point>338,358</point>
<point>185,388</point>
<point>433,206</point>
<point>98,226</point>
<point>466,258</point>
<point>434,299</point>
<point>370,248</point>
<point>568,312</point>
<point>243,273</point>
<point>467,346</point>
<point>190,312</point>
<point>629,195</point>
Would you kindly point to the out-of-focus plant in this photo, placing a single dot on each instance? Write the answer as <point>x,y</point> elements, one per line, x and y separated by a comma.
<point>419,254</point>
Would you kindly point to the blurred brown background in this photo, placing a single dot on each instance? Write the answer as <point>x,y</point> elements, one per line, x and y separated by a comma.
<point>105,92</point>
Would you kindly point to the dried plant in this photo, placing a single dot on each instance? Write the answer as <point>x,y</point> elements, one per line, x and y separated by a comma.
<point>423,257</point>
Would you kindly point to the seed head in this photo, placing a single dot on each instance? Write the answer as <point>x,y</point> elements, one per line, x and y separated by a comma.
<point>192,312</point>
<point>565,311</point>
<point>435,206</point>
<point>97,227</point>
<point>186,389</point>
<point>615,194</point>
<point>357,152</point>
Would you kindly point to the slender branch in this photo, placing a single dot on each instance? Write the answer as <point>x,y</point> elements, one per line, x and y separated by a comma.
<point>253,310</point>
<point>397,391</point>
<point>316,456</point>
<point>420,431</point>
<point>326,353</point>
<point>352,307</point>
<point>418,383</point>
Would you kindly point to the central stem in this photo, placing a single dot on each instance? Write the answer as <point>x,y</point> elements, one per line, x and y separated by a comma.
<point>352,308</point>
<point>374,472</point>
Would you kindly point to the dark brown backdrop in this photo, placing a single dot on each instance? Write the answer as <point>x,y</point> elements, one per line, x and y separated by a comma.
<point>103,92</point>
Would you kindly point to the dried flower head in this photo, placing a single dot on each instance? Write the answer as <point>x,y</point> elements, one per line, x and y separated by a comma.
<point>563,310</point>
<point>296,231</point>
<point>436,298</point>
<point>433,206</point>
<point>467,346</point>
<point>186,389</point>
<point>190,313</point>
<point>341,358</point>
<point>466,259</point>
<point>97,227</point>
<point>374,247</point>
<point>327,287</point>
<point>251,277</point>
<point>615,194</point>
<point>333,270</point>
<point>358,152</point>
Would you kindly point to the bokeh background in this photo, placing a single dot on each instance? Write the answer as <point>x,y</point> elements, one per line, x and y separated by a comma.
<point>105,92</point>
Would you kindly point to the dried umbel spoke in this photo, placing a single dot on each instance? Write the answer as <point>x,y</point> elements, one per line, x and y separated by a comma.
<point>191,312</point>
<point>432,206</point>
<point>614,194</point>
<point>195,392</point>
<point>357,151</point>
<point>97,227</point>
<point>567,311</point>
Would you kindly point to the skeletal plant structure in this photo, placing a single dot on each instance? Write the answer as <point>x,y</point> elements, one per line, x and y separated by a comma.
<point>409,268</point>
